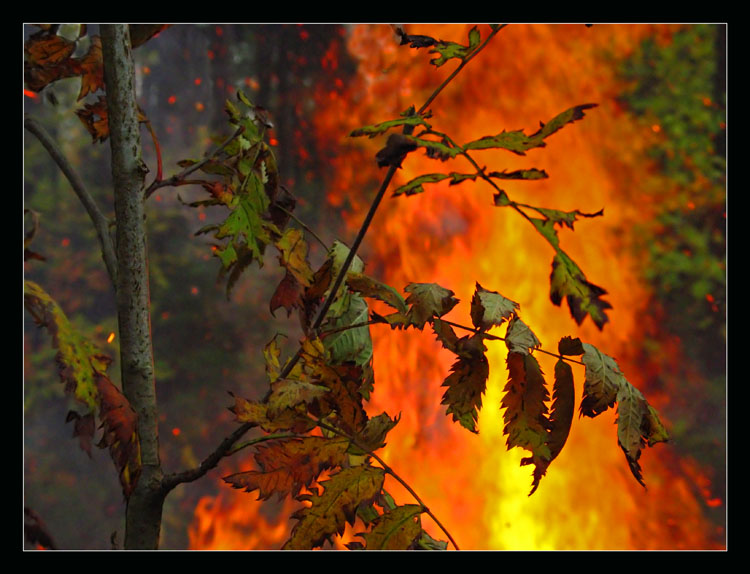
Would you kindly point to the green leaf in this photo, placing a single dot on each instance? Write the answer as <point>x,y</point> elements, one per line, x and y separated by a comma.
<point>638,422</point>
<point>526,420</point>
<point>445,334</point>
<point>369,287</point>
<point>519,338</point>
<point>467,382</point>
<point>355,344</point>
<point>490,308</point>
<point>329,512</point>
<point>428,300</point>
<point>78,359</point>
<point>584,298</point>
<point>381,128</point>
<point>82,369</point>
<point>414,186</point>
<point>530,174</point>
<point>450,50</point>
<point>563,407</point>
<point>397,529</point>
<point>603,381</point>
<point>519,143</point>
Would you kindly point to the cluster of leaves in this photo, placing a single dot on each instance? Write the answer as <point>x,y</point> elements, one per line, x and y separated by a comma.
<point>321,446</point>
<point>323,395</point>
<point>49,57</point>
<point>567,280</point>
<point>83,370</point>
<point>258,207</point>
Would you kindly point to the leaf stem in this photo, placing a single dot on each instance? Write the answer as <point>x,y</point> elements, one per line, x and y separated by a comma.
<point>302,224</point>
<point>175,179</point>
<point>226,445</point>
<point>497,338</point>
<point>459,68</point>
<point>393,473</point>
<point>100,221</point>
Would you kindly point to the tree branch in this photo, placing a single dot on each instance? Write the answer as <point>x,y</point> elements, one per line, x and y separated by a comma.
<point>100,221</point>
<point>177,178</point>
<point>226,445</point>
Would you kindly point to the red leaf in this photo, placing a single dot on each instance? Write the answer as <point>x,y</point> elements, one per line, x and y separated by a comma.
<point>118,420</point>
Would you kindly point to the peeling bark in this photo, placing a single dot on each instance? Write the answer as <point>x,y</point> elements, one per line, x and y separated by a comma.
<point>144,508</point>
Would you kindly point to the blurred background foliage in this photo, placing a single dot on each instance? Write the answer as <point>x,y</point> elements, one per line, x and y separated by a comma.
<point>206,346</point>
<point>677,88</point>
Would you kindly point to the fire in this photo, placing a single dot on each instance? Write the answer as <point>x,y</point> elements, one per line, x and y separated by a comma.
<point>453,236</point>
<point>234,520</point>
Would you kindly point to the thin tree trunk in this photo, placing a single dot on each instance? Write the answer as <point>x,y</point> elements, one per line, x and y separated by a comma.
<point>144,506</point>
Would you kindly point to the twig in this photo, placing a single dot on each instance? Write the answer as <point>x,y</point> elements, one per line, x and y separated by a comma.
<point>175,179</point>
<point>100,221</point>
<point>225,447</point>
<point>302,224</point>
<point>393,473</point>
<point>459,68</point>
<point>496,338</point>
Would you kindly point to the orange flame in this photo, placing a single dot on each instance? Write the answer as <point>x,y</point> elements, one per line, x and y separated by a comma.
<point>455,237</point>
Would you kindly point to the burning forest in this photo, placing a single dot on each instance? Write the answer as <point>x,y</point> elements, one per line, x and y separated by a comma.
<point>526,352</point>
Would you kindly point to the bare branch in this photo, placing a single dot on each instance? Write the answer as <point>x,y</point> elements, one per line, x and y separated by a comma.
<point>100,221</point>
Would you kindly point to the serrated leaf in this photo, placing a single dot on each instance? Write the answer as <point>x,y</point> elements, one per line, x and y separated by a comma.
<point>467,382</point>
<point>329,512</point>
<point>369,287</point>
<point>383,127</point>
<point>584,298</point>
<point>602,383</point>
<point>490,308</point>
<point>119,424</point>
<point>288,295</point>
<point>449,50</point>
<point>290,464</point>
<point>397,147</point>
<point>338,253</point>
<point>525,417</point>
<point>271,354</point>
<point>445,334</point>
<point>255,413</point>
<point>78,359</point>
<point>351,344</point>
<point>82,369</point>
<point>288,394</point>
<point>293,255</point>
<point>638,422</point>
<point>519,338</point>
<point>428,300</point>
<point>529,174</point>
<point>414,186</point>
<point>563,407</point>
<point>397,529</point>
<point>372,436</point>
<point>519,143</point>
<point>570,346</point>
